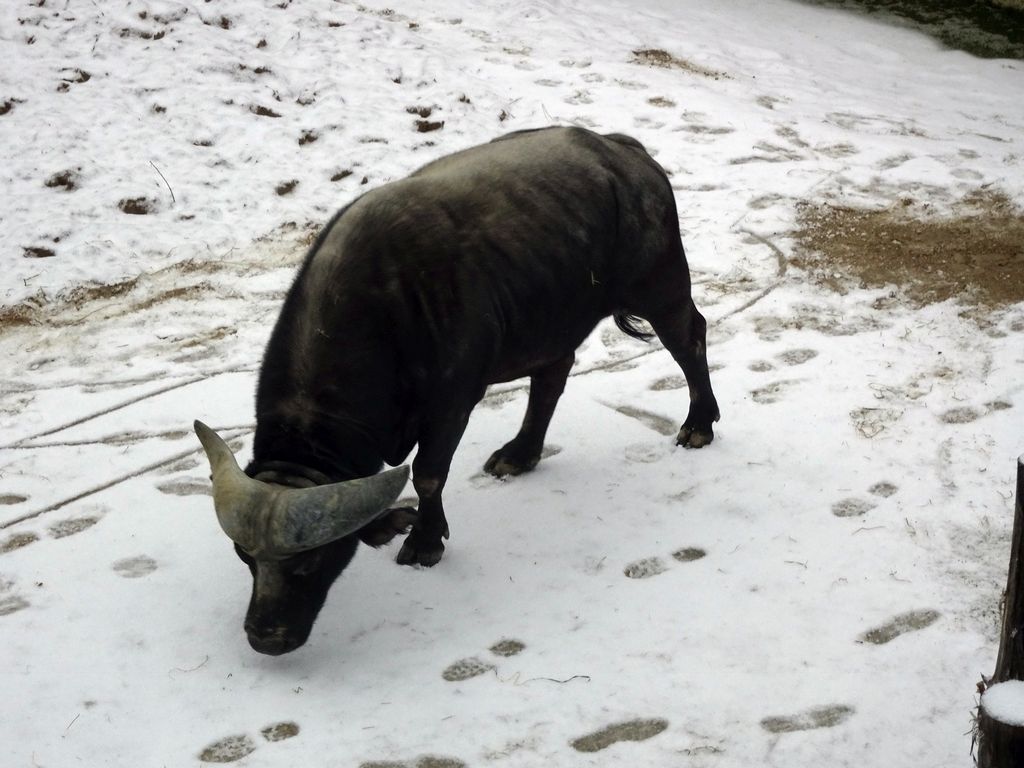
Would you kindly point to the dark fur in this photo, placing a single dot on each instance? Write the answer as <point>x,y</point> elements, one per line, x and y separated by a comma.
<point>484,266</point>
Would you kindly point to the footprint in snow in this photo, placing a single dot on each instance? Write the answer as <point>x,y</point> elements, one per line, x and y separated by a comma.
<point>821,717</point>
<point>796,356</point>
<point>643,453</point>
<point>893,161</point>
<point>962,415</point>
<point>668,383</point>
<point>883,488</point>
<point>465,669</point>
<point>653,566</point>
<point>228,750</point>
<point>900,625</point>
<point>135,567</point>
<point>631,730</point>
<point>280,731</point>
<point>10,603</point>
<point>855,507</point>
<point>427,761</point>
<point>644,569</point>
<point>852,507</point>
<point>771,393</point>
<point>508,648</point>
<point>660,424</point>
<point>186,487</point>
<point>233,748</point>
<point>71,526</point>
<point>17,541</point>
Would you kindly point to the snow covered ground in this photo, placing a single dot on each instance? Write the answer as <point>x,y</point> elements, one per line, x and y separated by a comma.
<point>819,586</point>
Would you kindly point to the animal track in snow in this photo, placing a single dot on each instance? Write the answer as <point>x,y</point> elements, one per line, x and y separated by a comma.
<point>821,717</point>
<point>464,669</point>
<point>10,603</point>
<point>185,487</point>
<point>644,569</point>
<point>427,761</point>
<point>470,667</point>
<point>72,526</point>
<point>667,383</point>
<point>578,98</point>
<point>135,567</point>
<point>507,648</point>
<point>17,541</point>
<point>900,625</point>
<point>280,731</point>
<point>852,507</point>
<point>689,554</point>
<point>228,750</point>
<point>233,748</point>
<point>660,424</point>
<point>894,161</point>
<point>698,129</point>
<point>961,415</point>
<point>821,318</point>
<point>631,730</point>
<point>870,422</point>
<point>761,202</point>
<point>182,465</point>
<point>883,488</point>
<point>653,566</point>
<point>771,393</point>
<point>643,453</point>
<point>796,356</point>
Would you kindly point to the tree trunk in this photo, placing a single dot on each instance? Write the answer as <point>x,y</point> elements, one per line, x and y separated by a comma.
<point>1001,744</point>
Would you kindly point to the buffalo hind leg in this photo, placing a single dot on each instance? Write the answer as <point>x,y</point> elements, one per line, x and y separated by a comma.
<point>437,445</point>
<point>684,334</point>
<point>522,452</point>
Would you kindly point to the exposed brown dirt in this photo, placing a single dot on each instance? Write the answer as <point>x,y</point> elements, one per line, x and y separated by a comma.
<point>137,206</point>
<point>976,253</point>
<point>655,57</point>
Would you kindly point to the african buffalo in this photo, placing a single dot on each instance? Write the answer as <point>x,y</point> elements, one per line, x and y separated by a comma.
<point>484,266</point>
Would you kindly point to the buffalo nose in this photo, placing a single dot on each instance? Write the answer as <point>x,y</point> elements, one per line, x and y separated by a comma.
<point>272,642</point>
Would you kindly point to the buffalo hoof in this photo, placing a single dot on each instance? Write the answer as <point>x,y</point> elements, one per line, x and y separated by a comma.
<point>503,463</point>
<point>415,552</point>
<point>691,437</point>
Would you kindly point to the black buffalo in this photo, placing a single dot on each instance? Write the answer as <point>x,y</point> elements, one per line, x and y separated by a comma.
<point>488,265</point>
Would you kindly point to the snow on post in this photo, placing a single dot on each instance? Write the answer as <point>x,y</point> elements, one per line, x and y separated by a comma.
<point>1001,714</point>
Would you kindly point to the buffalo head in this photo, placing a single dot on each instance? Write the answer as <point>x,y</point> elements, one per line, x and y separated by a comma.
<point>297,540</point>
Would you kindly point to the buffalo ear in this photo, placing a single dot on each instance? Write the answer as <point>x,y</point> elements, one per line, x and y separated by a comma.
<point>388,525</point>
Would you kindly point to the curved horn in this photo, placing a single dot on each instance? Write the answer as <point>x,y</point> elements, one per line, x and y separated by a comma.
<point>309,517</point>
<point>262,517</point>
<point>235,495</point>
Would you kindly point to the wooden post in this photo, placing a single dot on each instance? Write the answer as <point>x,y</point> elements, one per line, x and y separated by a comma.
<point>1001,714</point>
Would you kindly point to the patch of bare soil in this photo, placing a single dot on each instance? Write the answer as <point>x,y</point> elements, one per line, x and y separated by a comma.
<point>977,253</point>
<point>656,57</point>
<point>189,279</point>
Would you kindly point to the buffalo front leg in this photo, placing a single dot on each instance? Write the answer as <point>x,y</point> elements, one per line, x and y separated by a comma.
<point>437,445</point>
<point>522,452</point>
<point>684,334</point>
